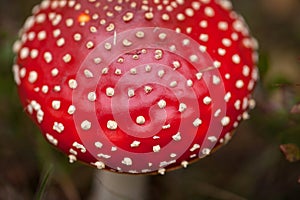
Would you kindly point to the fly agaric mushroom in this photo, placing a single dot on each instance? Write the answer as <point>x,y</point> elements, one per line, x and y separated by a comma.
<point>136,86</point>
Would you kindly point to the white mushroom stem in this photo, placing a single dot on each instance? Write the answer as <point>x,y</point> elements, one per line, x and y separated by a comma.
<point>114,186</point>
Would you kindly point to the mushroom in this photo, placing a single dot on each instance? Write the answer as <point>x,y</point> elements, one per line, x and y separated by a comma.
<point>137,87</point>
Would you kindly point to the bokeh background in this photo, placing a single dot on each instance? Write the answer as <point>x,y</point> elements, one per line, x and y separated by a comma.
<point>261,162</point>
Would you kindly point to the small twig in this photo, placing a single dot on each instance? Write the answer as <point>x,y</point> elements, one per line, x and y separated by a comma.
<point>43,183</point>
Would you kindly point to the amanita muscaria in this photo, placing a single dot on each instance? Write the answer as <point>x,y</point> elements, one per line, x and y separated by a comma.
<point>136,86</point>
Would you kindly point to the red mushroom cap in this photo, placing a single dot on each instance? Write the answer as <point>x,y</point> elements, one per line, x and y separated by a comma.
<point>136,86</point>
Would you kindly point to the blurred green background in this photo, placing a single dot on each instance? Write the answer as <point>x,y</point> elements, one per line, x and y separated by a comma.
<point>251,166</point>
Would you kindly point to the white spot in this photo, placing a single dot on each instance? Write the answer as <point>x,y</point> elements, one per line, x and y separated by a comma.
<point>56,104</point>
<point>73,84</point>
<point>217,113</point>
<point>110,92</point>
<point>246,71</point>
<point>177,137</point>
<point>86,125</point>
<point>69,22</point>
<point>99,165</point>
<point>221,52</point>
<point>162,36</point>
<point>34,53</point>
<point>57,88</point>
<point>89,45</point>
<point>77,37</point>
<point>251,85</point>
<point>197,122</point>
<point>45,89</point>
<point>40,116</point>
<point>42,35</point>
<point>209,11</point>
<point>173,155</point>
<point>127,161</point>
<point>16,74</point>
<point>194,58</point>
<point>166,126</point>
<point>133,71</point>
<point>199,75</point>
<point>140,34</point>
<point>101,155</point>
<point>223,25</point>
<point>237,104</point>
<point>216,80</point>
<point>128,16</point>
<point>252,103</point>
<point>189,12</point>
<point>71,110</point>
<point>104,70</point>
<point>57,19</point>
<point>245,103</point>
<point>227,97</point>
<point>58,127</point>
<point>195,147</point>
<point>48,57</point>
<point>226,42</point>
<point>161,73</point>
<point>97,60</point>
<point>186,42</point>
<point>40,18</point>
<point>56,33</point>
<point>67,58</point>
<point>140,120</point>
<point>135,144</point>
<point>246,116</point>
<point>180,17</point>
<point>176,64</point>
<point>112,125</point>
<point>118,71</point>
<point>173,84</point>
<point>204,37</point>
<point>148,68</point>
<point>206,151</point>
<point>239,84</point>
<point>156,148</point>
<point>236,59</point>
<point>212,138</point>
<point>161,171</point>
<point>88,73</point>
<point>148,89</point>
<point>162,104</point>
<point>92,96</point>
<point>225,121</point>
<point>196,5</point>
<point>217,64</point>
<point>130,93</point>
<point>127,43</point>
<point>227,76</point>
<point>98,145</point>
<point>51,139</point>
<point>189,83</point>
<point>184,164</point>
<point>54,72</point>
<point>207,100</point>
<point>79,146</point>
<point>33,76</point>
<point>203,24</point>
<point>165,17</point>
<point>72,158</point>
<point>182,107</point>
